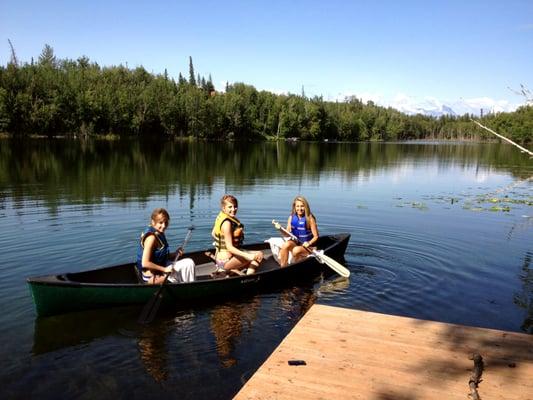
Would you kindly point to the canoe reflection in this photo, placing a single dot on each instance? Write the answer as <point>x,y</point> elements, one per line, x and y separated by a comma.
<point>161,344</point>
<point>73,329</point>
<point>181,344</point>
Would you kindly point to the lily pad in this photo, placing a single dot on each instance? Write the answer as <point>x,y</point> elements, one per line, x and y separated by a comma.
<point>500,208</point>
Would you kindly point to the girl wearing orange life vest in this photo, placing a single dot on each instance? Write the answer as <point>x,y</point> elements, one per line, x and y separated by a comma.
<point>228,233</point>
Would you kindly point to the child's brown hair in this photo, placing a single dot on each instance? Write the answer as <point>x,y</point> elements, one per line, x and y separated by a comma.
<point>160,212</point>
<point>230,199</point>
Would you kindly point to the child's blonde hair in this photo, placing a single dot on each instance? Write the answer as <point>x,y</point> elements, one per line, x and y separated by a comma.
<point>307,210</point>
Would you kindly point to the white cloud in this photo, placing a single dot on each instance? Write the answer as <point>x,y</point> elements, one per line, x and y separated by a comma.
<point>434,106</point>
<point>428,105</point>
<point>411,105</point>
<point>474,105</point>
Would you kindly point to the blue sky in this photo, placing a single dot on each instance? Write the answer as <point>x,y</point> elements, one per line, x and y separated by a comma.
<point>401,53</point>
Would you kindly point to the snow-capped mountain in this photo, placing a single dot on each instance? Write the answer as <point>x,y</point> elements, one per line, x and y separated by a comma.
<point>435,108</point>
<point>433,112</point>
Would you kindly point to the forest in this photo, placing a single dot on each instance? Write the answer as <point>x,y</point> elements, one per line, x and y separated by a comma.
<point>79,98</point>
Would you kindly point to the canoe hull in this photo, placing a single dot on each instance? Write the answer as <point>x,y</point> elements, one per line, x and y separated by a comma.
<point>118,285</point>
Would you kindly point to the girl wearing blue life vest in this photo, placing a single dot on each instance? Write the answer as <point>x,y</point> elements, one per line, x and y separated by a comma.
<point>228,233</point>
<point>302,224</point>
<point>153,252</point>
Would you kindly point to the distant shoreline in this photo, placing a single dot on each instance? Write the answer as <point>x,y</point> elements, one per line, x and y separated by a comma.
<point>112,137</point>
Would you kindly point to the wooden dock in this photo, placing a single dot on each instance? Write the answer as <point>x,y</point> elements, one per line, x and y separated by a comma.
<point>352,354</point>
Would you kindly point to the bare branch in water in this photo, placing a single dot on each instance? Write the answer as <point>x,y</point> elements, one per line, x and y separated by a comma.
<point>14,60</point>
<point>524,150</point>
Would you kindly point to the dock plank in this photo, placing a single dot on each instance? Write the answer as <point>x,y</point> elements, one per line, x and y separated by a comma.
<point>353,354</point>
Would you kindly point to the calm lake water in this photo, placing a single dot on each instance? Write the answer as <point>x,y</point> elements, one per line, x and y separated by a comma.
<point>439,231</point>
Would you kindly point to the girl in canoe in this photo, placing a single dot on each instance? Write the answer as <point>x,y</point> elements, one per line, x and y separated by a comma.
<point>302,224</point>
<point>228,233</point>
<point>153,253</point>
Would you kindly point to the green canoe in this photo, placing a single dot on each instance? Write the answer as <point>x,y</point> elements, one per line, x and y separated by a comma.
<point>120,285</point>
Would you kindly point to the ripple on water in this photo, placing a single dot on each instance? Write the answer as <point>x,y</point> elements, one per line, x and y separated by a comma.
<point>394,270</point>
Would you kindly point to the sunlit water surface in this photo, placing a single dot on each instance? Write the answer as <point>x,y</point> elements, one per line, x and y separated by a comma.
<point>438,231</point>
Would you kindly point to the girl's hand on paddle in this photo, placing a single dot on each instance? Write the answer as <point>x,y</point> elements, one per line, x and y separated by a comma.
<point>168,269</point>
<point>305,244</point>
<point>258,256</point>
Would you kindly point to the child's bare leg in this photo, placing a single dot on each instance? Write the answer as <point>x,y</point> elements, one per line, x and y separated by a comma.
<point>254,264</point>
<point>299,253</point>
<point>236,263</point>
<point>284,252</point>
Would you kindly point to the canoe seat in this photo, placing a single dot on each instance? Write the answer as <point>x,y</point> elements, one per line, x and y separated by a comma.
<point>126,273</point>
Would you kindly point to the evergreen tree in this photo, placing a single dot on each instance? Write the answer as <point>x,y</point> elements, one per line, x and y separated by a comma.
<point>47,56</point>
<point>181,80</point>
<point>210,88</point>
<point>83,62</point>
<point>192,80</point>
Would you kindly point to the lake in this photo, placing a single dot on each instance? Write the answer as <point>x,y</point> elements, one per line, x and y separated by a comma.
<point>439,231</point>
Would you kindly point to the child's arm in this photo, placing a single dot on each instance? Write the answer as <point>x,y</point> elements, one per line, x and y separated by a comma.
<point>289,226</point>
<point>228,239</point>
<point>314,230</point>
<point>149,243</point>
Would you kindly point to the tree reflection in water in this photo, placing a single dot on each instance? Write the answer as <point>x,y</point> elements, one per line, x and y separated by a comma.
<point>233,322</point>
<point>228,322</point>
<point>153,351</point>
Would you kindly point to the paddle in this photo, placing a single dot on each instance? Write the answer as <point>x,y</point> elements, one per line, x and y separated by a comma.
<point>322,258</point>
<point>150,309</point>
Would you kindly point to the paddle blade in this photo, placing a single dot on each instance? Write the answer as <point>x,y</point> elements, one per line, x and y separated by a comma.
<point>150,309</point>
<point>334,265</point>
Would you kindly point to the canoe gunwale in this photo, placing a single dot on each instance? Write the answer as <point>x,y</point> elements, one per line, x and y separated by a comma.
<point>63,280</point>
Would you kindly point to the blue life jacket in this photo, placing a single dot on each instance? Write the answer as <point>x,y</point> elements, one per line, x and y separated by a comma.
<point>299,229</point>
<point>159,255</point>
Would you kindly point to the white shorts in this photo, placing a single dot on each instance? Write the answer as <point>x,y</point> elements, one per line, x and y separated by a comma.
<point>275,245</point>
<point>183,271</point>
